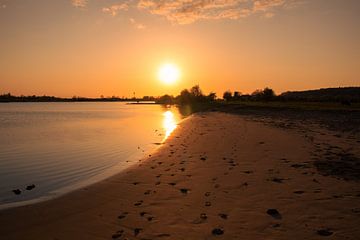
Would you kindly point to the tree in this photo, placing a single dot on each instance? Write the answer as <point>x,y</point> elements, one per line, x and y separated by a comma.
<point>166,99</point>
<point>211,97</point>
<point>184,97</point>
<point>196,91</point>
<point>227,95</point>
<point>268,94</point>
<point>237,95</point>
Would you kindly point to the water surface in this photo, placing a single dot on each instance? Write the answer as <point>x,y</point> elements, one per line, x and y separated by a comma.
<point>59,147</point>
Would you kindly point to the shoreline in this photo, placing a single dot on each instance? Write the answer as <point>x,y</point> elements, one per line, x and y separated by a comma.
<point>108,173</point>
<point>217,175</point>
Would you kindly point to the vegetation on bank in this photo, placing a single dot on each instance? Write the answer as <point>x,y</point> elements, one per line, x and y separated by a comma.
<point>322,99</point>
<point>195,99</point>
<point>345,96</point>
<point>11,98</point>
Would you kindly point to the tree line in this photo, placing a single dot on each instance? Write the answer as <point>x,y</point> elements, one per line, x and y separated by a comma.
<point>195,95</point>
<point>345,96</point>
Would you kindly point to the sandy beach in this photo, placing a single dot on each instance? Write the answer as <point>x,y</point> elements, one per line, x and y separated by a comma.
<point>218,176</point>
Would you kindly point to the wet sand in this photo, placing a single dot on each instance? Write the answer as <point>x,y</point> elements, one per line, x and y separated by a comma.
<point>218,176</point>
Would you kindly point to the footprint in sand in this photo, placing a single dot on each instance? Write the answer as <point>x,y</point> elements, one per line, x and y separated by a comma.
<point>274,213</point>
<point>163,235</point>
<point>30,187</point>
<point>184,190</point>
<point>276,225</point>
<point>201,219</point>
<point>316,181</point>
<point>137,231</point>
<point>138,203</point>
<point>123,215</point>
<point>324,232</point>
<point>203,216</point>
<point>142,214</point>
<point>147,192</point>
<point>299,192</point>
<point>207,194</point>
<point>207,204</point>
<point>217,231</point>
<point>172,184</point>
<point>277,180</point>
<point>223,215</point>
<point>16,191</point>
<point>118,234</point>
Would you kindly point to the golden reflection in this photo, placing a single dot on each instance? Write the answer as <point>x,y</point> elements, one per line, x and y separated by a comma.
<point>169,124</point>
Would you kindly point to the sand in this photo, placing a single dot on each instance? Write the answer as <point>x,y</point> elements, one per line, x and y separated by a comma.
<point>218,176</point>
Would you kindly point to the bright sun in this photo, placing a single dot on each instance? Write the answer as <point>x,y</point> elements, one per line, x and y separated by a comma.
<point>169,73</point>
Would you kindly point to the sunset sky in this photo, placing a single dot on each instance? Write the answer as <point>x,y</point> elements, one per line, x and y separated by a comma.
<point>102,47</point>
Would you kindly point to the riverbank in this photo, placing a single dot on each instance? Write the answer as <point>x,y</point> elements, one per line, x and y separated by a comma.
<point>217,176</point>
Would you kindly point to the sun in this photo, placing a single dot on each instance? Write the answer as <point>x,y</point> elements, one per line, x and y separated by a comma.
<point>169,73</point>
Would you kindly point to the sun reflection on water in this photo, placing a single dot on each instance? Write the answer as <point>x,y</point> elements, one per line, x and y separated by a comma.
<point>169,123</point>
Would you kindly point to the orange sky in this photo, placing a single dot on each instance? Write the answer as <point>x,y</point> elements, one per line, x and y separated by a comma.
<point>92,48</point>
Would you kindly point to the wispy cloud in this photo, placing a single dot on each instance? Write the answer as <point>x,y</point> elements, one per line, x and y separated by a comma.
<point>136,24</point>
<point>79,3</point>
<point>189,11</point>
<point>114,9</point>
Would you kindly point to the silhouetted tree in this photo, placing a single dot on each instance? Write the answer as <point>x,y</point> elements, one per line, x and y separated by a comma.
<point>211,97</point>
<point>196,91</point>
<point>194,96</point>
<point>227,95</point>
<point>268,94</point>
<point>184,97</point>
<point>237,95</point>
<point>166,99</point>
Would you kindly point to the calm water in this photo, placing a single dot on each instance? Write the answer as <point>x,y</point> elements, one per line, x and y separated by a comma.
<point>62,146</point>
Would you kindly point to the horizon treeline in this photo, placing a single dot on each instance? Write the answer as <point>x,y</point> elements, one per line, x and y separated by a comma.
<point>33,98</point>
<point>344,95</point>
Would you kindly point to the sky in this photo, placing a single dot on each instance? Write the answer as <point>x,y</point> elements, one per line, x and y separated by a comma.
<point>90,48</point>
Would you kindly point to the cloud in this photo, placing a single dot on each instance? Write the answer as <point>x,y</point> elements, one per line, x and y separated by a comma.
<point>79,3</point>
<point>265,5</point>
<point>189,11</point>
<point>136,24</point>
<point>114,9</point>
<point>269,15</point>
